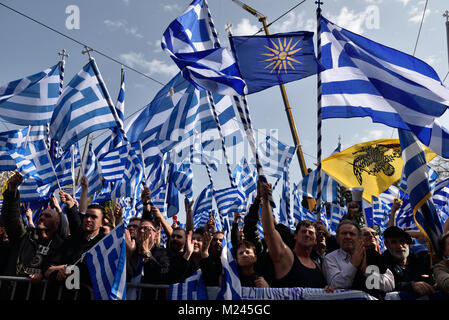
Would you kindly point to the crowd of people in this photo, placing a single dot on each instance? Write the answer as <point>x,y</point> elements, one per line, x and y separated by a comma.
<point>309,257</point>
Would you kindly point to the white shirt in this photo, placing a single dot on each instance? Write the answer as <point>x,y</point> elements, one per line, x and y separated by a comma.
<point>340,272</point>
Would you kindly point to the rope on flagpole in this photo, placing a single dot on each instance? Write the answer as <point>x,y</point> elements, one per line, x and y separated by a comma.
<point>319,118</point>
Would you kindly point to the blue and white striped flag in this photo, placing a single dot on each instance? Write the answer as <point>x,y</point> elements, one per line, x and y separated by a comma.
<point>10,140</point>
<point>229,200</point>
<point>329,187</point>
<point>296,204</point>
<point>65,167</point>
<point>92,172</point>
<point>245,178</point>
<point>31,100</point>
<point>337,213</point>
<point>158,198</point>
<point>204,201</point>
<point>285,214</point>
<point>231,288</point>
<point>193,288</point>
<point>31,191</point>
<point>83,107</point>
<point>440,195</point>
<point>32,160</point>
<point>183,180</point>
<point>190,43</point>
<point>275,156</point>
<point>364,78</point>
<point>381,212</point>
<point>132,173</point>
<point>200,220</point>
<point>106,262</point>
<point>116,139</point>
<point>418,189</point>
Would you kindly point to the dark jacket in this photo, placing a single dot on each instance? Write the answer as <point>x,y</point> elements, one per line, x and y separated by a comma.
<point>411,272</point>
<point>76,245</point>
<point>28,253</point>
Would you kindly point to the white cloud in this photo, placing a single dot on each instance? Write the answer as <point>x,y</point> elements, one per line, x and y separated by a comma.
<point>156,46</point>
<point>378,1</point>
<point>404,2</point>
<point>245,28</point>
<point>126,2</point>
<point>295,22</point>
<point>416,12</point>
<point>370,135</point>
<point>123,25</point>
<point>138,61</point>
<point>171,7</point>
<point>351,20</point>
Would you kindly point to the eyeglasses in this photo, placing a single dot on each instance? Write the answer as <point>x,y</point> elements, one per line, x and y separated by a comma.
<point>132,226</point>
<point>146,229</point>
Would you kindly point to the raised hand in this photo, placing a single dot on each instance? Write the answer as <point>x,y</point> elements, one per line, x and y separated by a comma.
<point>14,182</point>
<point>66,199</point>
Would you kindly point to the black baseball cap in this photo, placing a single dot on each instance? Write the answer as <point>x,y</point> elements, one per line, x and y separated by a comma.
<point>394,231</point>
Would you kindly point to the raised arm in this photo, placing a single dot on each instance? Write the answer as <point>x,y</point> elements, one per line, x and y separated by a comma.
<point>394,208</point>
<point>159,219</point>
<point>73,215</point>
<point>84,191</point>
<point>12,218</point>
<point>278,250</point>
<point>189,214</point>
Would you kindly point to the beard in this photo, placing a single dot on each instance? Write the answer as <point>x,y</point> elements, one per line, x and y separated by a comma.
<point>400,254</point>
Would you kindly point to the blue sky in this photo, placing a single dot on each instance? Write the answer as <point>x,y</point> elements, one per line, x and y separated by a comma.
<point>130,31</point>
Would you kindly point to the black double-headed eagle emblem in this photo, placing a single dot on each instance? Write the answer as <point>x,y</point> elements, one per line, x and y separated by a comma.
<point>375,159</point>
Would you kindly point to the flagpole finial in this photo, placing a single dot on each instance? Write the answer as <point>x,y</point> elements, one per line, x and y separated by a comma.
<point>63,54</point>
<point>446,15</point>
<point>228,28</point>
<point>319,3</point>
<point>339,139</point>
<point>87,50</point>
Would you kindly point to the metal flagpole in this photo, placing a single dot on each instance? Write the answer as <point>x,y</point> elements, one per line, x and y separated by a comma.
<point>288,111</point>
<point>211,100</point>
<point>446,15</point>
<point>318,34</point>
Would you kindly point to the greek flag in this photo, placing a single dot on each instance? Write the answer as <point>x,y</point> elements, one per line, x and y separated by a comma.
<point>65,167</point>
<point>245,178</point>
<point>381,212</point>
<point>114,163</point>
<point>158,198</point>
<point>32,161</point>
<point>275,156</point>
<point>441,193</point>
<point>183,180</point>
<point>92,172</point>
<point>285,215</point>
<point>296,204</point>
<point>190,43</point>
<point>363,78</point>
<point>418,189</point>
<point>231,288</point>
<point>329,187</point>
<point>337,213</point>
<point>83,107</point>
<point>106,262</point>
<point>200,220</point>
<point>230,200</point>
<point>131,175</point>
<point>193,288</point>
<point>11,140</point>
<point>31,191</point>
<point>193,148</point>
<point>31,100</point>
<point>203,202</point>
<point>120,105</point>
<point>299,212</point>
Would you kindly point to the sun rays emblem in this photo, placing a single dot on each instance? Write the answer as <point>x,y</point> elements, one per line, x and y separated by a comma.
<point>281,56</point>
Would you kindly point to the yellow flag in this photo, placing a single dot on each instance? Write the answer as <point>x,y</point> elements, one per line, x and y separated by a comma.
<point>373,166</point>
